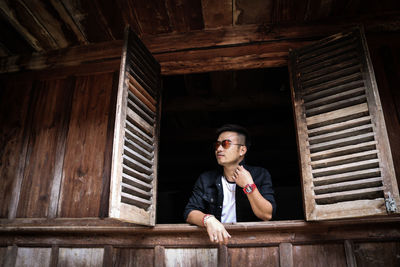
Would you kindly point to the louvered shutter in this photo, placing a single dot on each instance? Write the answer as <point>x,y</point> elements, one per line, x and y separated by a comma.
<point>134,164</point>
<point>346,163</point>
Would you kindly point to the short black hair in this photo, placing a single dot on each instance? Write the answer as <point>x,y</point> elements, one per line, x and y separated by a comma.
<point>237,129</point>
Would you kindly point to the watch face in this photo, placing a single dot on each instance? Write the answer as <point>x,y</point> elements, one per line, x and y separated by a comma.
<point>249,189</point>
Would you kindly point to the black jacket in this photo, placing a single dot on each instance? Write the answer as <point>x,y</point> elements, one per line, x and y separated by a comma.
<point>208,195</point>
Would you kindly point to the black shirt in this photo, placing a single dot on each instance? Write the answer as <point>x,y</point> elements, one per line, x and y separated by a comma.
<point>208,194</point>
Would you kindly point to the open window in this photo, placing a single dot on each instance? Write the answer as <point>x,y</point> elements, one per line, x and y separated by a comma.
<point>345,158</point>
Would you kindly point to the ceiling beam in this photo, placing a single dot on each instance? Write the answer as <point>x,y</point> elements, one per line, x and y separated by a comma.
<point>230,48</point>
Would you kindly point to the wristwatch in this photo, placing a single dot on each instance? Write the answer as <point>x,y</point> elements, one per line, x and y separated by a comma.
<point>249,188</point>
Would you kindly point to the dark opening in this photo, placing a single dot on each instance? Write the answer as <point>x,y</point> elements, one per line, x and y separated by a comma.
<point>195,105</point>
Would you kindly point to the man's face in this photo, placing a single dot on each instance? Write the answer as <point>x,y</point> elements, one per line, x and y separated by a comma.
<point>233,154</point>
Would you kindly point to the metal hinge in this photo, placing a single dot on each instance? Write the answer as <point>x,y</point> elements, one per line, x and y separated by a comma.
<point>390,204</point>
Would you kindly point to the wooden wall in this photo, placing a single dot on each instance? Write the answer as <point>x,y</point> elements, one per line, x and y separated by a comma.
<point>56,144</point>
<point>372,242</point>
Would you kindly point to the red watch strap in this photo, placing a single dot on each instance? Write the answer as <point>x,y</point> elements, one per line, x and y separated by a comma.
<point>249,188</point>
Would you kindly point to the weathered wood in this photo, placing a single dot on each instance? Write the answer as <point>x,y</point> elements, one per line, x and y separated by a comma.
<point>349,250</point>
<point>185,16</point>
<point>254,256</point>
<point>108,256</point>
<point>159,256</point>
<point>133,257</point>
<point>286,254</point>
<point>81,257</point>
<point>217,14</point>
<point>15,124</point>
<point>50,119</point>
<point>348,176</point>
<point>85,147</point>
<point>54,256</point>
<point>223,256</point>
<point>10,256</point>
<point>319,255</point>
<point>35,257</point>
<point>381,254</point>
<point>345,186</point>
<point>191,257</point>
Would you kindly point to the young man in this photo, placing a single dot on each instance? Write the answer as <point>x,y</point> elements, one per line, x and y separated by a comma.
<point>235,192</point>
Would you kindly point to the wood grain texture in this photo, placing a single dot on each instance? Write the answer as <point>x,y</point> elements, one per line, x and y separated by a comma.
<point>254,256</point>
<point>319,255</point>
<point>191,257</point>
<point>129,257</point>
<point>85,147</point>
<point>80,257</point>
<point>34,257</point>
<point>217,14</point>
<point>49,118</point>
<point>377,254</point>
<point>12,139</point>
<point>286,254</point>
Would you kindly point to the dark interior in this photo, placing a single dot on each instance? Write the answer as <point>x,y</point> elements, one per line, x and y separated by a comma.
<point>195,105</point>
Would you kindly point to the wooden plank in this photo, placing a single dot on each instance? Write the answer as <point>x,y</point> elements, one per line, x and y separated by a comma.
<point>127,179</point>
<point>365,164</point>
<point>60,150</point>
<point>339,126</point>
<point>108,256</point>
<point>349,250</point>
<point>223,255</point>
<point>14,135</point>
<point>367,193</point>
<point>352,140</point>
<point>191,257</point>
<point>133,257</point>
<point>336,104</point>
<point>348,176</point>
<point>332,116</point>
<point>159,256</point>
<point>253,12</point>
<point>184,15</point>
<point>334,152</point>
<point>258,256</point>
<point>319,255</point>
<point>35,257</point>
<point>286,254</point>
<point>49,124</point>
<point>83,168</point>
<point>377,254</point>
<point>81,257</point>
<point>217,14</point>
<point>340,134</point>
<point>10,256</point>
<point>370,154</point>
<point>346,186</point>
<point>54,256</point>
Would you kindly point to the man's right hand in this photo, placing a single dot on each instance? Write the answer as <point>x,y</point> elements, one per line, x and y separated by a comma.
<point>216,231</point>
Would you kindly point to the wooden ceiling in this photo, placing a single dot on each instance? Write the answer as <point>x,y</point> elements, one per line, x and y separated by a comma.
<point>34,26</point>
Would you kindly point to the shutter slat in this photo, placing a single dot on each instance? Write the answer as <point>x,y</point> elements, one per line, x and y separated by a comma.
<point>332,76</point>
<point>136,201</point>
<point>348,176</point>
<point>134,191</point>
<point>333,90</point>
<point>366,193</point>
<point>337,115</point>
<point>135,117</point>
<point>140,112</point>
<point>134,155</point>
<point>339,151</point>
<point>347,186</point>
<point>139,132</point>
<point>328,42</point>
<point>137,140</point>
<point>149,102</point>
<point>339,126</point>
<point>342,142</point>
<point>342,81</point>
<point>337,96</point>
<point>327,63</point>
<point>134,173</point>
<point>371,154</point>
<point>127,179</point>
<point>132,145</point>
<point>338,104</point>
<point>136,165</point>
<point>355,166</point>
<point>355,131</point>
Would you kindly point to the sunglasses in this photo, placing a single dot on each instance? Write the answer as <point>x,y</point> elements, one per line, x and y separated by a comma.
<point>225,144</point>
